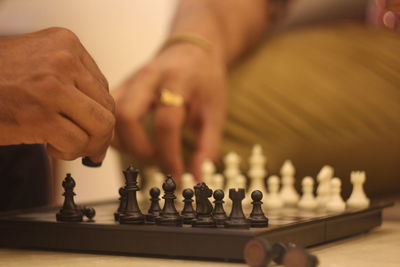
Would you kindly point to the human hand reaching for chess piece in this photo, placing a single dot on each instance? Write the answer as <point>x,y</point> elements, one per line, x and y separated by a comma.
<point>52,92</point>
<point>192,81</point>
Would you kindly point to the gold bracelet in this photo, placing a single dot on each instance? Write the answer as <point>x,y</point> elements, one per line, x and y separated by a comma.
<point>191,38</point>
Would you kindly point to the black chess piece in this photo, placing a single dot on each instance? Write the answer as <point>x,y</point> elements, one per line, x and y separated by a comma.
<point>122,203</point>
<point>204,208</point>
<point>219,213</point>
<point>132,213</point>
<point>257,217</point>
<point>155,209</point>
<point>188,213</point>
<point>70,212</point>
<point>89,213</point>
<point>169,216</point>
<point>236,218</point>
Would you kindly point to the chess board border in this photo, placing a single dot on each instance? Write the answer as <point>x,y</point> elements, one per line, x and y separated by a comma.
<point>178,242</point>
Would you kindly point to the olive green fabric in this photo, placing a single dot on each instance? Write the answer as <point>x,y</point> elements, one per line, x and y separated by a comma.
<point>322,95</point>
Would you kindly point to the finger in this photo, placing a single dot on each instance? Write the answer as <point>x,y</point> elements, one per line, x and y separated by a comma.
<point>92,117</point>
<point>65,140</point>
<point>134,100</point>
<point>92,67</point>
<point>208,144</point>
<point>392,5</point>
<point>90,86</point>
<point>391,20</point>
<point>168,122</point>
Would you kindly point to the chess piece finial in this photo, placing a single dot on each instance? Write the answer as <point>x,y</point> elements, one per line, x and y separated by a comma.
<point>219,213</point>
<point>70,212</point>
<point>155,209</point>
<point>132,213</point>
<point>257,217</point>
<point>188,213</point>
<point>169,216</point>
<point>236,218</point>
<point>203,206</point>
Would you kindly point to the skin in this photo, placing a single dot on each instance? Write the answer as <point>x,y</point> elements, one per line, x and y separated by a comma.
<point>198,74</point>
<point>52,92</point>
<point>388,12</point>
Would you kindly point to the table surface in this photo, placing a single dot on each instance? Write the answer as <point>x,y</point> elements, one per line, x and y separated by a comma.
<point>379,247</point>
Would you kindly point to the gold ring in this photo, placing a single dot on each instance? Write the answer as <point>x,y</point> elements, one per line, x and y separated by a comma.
<point>169,98</point>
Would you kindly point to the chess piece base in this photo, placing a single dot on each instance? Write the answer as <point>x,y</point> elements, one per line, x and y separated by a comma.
<point>75,216</point>
<point>131,219</point>
<point>204,222</point>
<point>232,223</point>
<point>169,221</point>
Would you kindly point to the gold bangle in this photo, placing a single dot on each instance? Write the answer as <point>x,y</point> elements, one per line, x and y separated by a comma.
<point>168,98</point>
<point>191,38</point>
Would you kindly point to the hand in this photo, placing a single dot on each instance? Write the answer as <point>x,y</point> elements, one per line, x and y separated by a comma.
<point>389,12</point>
<point>196,74</point>
<point>51,91</point>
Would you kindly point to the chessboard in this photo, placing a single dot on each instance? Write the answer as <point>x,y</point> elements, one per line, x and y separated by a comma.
<point>39,229</point>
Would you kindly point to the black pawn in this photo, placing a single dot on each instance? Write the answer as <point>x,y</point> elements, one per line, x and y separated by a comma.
<point>132,213</point>
<point>257,217</point>
<point>236,218</point>
<point>219,214</point>
<point>155,209</point>
<point>169,216</point>
<point>70,212</point>
<point>122,203</point>
<point>188,213</point>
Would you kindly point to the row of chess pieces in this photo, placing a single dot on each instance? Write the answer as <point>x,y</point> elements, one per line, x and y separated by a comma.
<point>280,191</point>
<point>205,215</point>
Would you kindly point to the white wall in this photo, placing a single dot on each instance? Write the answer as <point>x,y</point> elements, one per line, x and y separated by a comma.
<point>120,35</point>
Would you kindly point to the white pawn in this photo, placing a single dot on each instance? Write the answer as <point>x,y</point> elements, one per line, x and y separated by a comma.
<point>218,181</point>
<point>288,193</point>
<point>240,182</point>
<point>336,202</point>
<point>257,173</point>
<point>232,169</point>
<point>358,199</point>
<point>187,181</point>
<point>307,200</point>
<point>207,172</point>
<point>273,200</point>
<point>324,185</point>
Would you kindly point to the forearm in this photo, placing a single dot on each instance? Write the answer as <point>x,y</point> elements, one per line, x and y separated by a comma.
<point>231,26</point>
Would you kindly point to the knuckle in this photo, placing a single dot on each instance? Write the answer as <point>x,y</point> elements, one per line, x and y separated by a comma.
<point>64,33</point>
<point>107,125</point>
<point>148,69</point>
<point>63,58</point>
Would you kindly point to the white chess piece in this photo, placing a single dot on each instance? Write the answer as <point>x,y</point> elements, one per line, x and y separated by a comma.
<point>207,172</point>
<point>336,202</point>
<point>358,199</point>
<point>257,173</point>
<point>218,181</point>
<point>240,181</point>
<point>324,185</point>
<point>187,181</point>
<point>232,169</point>
<point>307,200</point>
<point>288,193</point>
<point>273,200</point>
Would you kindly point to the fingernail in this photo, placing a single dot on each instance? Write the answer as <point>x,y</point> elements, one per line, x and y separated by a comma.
<point>389,19</point>
<point>89,163</point>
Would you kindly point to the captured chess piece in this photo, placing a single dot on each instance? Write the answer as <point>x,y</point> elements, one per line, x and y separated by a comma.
<point>155,209</point>
<point>258,252</point>
<point>204,208</point>
<point>257,217</point>
<point>218,213</point>
<point>89,213</point>
<point>188,213</point>
<point>299,257</point>
<point>70,211</point>
<point>131,214</point>
<point>122,203</point>
<point>236,218</point>
<point>169,216</point>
